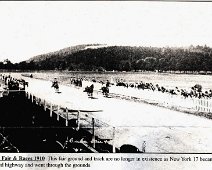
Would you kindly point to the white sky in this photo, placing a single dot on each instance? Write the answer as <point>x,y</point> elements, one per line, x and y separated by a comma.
<point>31,28</point>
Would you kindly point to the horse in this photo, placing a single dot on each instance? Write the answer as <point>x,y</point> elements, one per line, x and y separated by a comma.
<point>89,90</point>
<point>105,91</point>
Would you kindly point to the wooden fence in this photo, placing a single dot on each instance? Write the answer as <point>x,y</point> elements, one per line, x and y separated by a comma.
<point>82,118</point>
<point>164,99</point>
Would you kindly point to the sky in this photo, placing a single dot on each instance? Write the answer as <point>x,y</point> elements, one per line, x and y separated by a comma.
<point>31,28</point>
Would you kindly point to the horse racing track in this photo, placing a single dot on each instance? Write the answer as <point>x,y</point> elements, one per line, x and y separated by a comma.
<point>40,120</point>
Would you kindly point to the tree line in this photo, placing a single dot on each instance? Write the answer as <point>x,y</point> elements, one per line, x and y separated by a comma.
<point>121,58</point>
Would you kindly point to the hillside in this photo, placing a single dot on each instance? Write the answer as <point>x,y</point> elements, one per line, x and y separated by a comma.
<point>93,57</point>
<point>61,53</point>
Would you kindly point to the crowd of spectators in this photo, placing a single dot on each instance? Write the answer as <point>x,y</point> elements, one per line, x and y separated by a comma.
<point>13,83</point>
<point>195,91</point>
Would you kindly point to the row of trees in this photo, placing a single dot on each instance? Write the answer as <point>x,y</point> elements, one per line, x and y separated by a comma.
<point>122,58</point>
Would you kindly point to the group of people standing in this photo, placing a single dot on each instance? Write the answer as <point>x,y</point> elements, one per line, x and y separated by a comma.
<point>14,83</point>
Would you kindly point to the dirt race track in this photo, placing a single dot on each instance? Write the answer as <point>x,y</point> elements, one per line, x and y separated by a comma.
<point>164,130</point>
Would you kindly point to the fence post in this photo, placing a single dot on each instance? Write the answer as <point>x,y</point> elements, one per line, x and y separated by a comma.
<point>78,120</point>
<point>39,101</point>
<point>195,103</point>
<point>50,109</point>
<point>114,133</point>
<point>198,104</point>
<point>66,116</point>
<point>93,133</point>
<point>58,116</point>
<point>204,109</point>
<point>207,105</point>
<point>201,109</point>
<point>44,103</point>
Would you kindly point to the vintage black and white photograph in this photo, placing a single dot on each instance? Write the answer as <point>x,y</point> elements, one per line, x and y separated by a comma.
<point>105,77</point>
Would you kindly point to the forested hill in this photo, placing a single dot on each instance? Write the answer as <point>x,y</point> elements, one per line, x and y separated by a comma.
<point>123,58</point>
<point>62,53</point>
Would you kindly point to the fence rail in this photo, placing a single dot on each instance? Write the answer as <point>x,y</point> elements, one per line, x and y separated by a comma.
<point>164,99</point>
